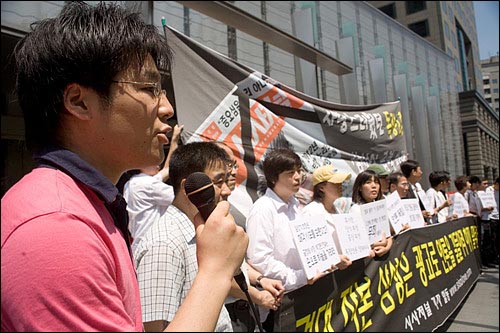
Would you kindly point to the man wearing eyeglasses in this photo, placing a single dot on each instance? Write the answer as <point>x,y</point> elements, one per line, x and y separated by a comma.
<point>165,257</point>
<point>398,182</point>
<point>232,170</point>
<point>271,290</point>
<point>88,82</point>
<point>232,167</point>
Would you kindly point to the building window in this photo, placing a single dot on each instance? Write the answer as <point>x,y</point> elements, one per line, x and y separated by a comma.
<point>494,80</point>
<point>487,91</point>
<point>488,99</point>
<point>495,91</point>
<point>231,43</point>
<point>446,31</point>
<point>443,4</point>
<point>486,81</point>
<point>421,28</point>
<point>389,10</point>
<point>414,6</point>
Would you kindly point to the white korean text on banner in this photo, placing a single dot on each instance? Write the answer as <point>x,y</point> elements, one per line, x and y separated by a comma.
<point>428,271</point>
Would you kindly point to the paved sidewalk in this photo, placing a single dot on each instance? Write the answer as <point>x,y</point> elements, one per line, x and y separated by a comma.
<point>479,311</point>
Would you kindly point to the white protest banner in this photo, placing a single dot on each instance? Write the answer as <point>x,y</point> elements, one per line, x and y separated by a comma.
<point>487,198</point>
<point>395,211</point>
<point>352,235</point>
<point>374,215</point>
<point>413,212</point>
<point>459,205</point>
<point>314,242</point>
<point>252,113</point>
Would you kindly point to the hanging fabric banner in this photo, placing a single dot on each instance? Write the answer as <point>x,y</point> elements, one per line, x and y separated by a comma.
<point>219,99</point>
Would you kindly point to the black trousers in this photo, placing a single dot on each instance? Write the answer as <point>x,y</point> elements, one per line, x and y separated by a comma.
<point>268,324</point>
<point>493,251</point>
<point>488,246</point>
<point>241,316</point>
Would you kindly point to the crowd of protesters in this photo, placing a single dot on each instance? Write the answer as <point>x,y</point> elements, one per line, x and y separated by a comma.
<point>79,255</point>
<point>272,255</point>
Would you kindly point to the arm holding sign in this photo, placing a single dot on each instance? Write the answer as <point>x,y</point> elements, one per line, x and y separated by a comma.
<point>367,189</point>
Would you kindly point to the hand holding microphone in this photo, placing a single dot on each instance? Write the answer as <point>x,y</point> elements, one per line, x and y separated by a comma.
<point>200,191</point>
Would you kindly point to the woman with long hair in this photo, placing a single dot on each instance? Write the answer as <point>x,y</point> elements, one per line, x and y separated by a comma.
<point>367,189</point>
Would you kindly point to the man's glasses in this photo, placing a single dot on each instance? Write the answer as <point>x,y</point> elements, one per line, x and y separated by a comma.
<point>156,89</point>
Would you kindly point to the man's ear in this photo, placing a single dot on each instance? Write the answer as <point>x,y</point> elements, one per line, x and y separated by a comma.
<point>182,190</point>
<point>77,101</point>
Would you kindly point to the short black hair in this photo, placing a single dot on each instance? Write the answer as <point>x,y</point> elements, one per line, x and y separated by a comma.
<point>408,166</point>
<point>195,157</point>
<point>84,44</point>
<point>393,177</point>
<point>461,182</point>
<point>474,180</point>
<point>277,161</point>
<point>436,177</point>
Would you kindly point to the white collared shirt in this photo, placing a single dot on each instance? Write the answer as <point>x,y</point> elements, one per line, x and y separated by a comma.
<point>166,264</point>
<point>148,198</point>
<point>437,199</point>
<point>271,249</point>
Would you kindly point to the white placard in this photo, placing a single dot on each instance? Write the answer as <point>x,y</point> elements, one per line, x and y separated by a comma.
<point>352,235</point>
<point>425,201</point>
<point>375,217</point>
<point>314,242</point>
<point>395,211</point>
<point>413,212</point>
<point>459,205</point>
<point>487,199</point>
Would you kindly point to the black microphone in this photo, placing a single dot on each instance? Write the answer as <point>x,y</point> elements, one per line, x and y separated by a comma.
<point>200,191</point>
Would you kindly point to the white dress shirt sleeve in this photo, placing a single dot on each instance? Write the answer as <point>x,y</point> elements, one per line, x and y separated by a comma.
<point>271,249</point>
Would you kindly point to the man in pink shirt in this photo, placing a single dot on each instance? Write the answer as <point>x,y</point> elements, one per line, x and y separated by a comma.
<point>89,85</point>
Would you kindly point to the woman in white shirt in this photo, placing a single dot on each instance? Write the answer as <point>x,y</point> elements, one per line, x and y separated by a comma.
<point>367,189</point>
<point>462,184</point>
<point>327,182</point>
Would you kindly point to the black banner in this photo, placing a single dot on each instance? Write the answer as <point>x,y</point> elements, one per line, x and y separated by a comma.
<point>415,287</point>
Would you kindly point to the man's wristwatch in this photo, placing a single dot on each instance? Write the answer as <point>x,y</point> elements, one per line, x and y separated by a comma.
<point>257,283</point>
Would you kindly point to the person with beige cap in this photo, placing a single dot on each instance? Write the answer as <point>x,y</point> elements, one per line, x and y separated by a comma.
<point>327,182</point>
